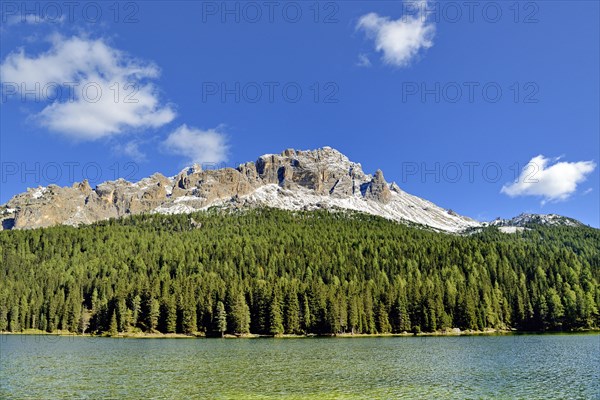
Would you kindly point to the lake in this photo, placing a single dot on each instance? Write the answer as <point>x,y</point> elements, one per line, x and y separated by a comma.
<point>474,367</point>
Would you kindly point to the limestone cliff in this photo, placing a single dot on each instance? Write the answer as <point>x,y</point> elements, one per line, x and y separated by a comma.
<point>323,178</point>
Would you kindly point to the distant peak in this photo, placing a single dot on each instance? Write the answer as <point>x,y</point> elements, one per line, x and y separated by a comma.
<point>528,219</point>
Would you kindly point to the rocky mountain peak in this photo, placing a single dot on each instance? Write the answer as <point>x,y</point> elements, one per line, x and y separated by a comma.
<point>83,187</point>
<point>292,179</point>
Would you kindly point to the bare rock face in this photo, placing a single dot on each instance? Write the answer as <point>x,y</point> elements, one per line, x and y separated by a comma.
<point>221,184</point>
<point>321,178</point>
<point>50,206</point>
<point>378,189</point>
<point>325,171</point>
<point>250,172</point>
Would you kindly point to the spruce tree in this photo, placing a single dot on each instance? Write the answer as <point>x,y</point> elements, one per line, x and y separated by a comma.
<point>189,321</point>
<point>3,318</point>
<point>221,318</point>
<point>383,323</point>
<point>353,315</point>
<point>113,328</point>
<point>275,318</point>
<point>153,314</point>
<point>136,306</point>
<point>306,316</point>
<point>240,313</point>
<point>13,321</point>
<point>292,313</point>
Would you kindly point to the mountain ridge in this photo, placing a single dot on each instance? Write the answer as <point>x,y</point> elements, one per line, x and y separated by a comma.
<point>524,220</point>
<point>291,180</point>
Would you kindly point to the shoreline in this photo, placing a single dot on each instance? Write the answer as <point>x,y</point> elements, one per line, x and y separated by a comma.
<point>199,335</point>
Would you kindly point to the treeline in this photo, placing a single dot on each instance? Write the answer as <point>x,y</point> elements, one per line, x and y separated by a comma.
<point>273,272</point>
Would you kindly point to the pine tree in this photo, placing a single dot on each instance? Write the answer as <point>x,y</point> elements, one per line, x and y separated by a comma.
<point>332,316</point>
<point>74,315</point>
<point>23,311</point>
<point>353,315</point>
<point>383,323</point>
<point>276,321</point>
<point>95,300</point>
<point>84,320</point>
<point>51,316</point>
<point>3,318</point>
<point>136,306</point>
<point>170,315</point>
<point>306,316</point>
<point>123,316</point>
<point>189,321</point>
<point>292,313</point>
<point>153,314</point>
<point>401,319</point>
<point>113,328</point>
<point>221,318</point>
<point>555,308</point>
<point>240,314</point>
<point>13,321</point>
<point>466,312</point>
<point>43,323</point>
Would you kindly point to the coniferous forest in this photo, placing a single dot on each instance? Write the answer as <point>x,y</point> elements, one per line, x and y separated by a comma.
<point>273,272</point>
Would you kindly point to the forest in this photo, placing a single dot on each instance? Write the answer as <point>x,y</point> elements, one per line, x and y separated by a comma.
<point>273,272</point>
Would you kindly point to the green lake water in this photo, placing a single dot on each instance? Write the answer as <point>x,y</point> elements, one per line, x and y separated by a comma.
<point>476,367</point>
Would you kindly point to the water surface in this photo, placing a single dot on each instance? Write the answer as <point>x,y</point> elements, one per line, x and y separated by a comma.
<point>523,366</point>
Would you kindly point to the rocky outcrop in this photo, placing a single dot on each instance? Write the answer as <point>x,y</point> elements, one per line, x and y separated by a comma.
<point>323,178</point>
<point>378,189</point>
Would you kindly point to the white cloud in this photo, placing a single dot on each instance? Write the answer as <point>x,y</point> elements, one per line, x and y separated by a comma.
<point>550,179</point>
<point>131,149</point>
<point>400,40</point>
<point>363,61</point>
<point>119,96</point>
<point>197,145</point>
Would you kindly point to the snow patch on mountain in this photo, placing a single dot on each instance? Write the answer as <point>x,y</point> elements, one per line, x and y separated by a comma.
<point>402,207</point>
<point>511,229</point>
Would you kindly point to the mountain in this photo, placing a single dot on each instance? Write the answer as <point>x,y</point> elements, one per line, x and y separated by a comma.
<point>319,271</point>
<point>527,220</point>
<point>292,180</point>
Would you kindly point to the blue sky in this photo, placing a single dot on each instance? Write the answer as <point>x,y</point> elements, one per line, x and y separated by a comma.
<point>452,103</point>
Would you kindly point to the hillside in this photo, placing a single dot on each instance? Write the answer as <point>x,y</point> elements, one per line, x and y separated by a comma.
<point>278,271</point>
